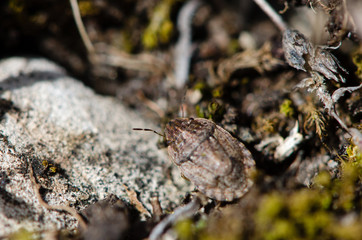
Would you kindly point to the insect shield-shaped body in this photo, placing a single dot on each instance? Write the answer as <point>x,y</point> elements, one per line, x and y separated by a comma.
<point>207,155</point>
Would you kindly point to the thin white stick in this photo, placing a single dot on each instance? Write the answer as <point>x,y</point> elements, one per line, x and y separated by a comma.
<point>78,21</point>
<point>184,49</point>
<point>181,212</point>
<point>275,17</point>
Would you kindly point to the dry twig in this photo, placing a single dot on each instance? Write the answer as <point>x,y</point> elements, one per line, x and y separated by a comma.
<point>156,207</point>
<point>67,209</point>
<point>151,104</point>
<point>135,202</point>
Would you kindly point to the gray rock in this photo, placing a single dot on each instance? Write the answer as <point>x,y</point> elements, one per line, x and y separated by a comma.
<point>51,120</point>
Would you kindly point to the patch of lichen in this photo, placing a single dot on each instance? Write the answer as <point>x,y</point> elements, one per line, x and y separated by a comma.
<point>329,209</point>
<point>160,27</point>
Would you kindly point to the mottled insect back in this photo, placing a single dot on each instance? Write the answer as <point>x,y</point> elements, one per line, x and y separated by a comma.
<point>207,155</point>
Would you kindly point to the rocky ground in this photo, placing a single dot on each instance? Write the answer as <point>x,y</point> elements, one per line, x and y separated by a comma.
<point>77,76</point>
<point>80,146</point>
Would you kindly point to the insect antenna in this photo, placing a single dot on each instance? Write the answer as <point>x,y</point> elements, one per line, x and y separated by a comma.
<point>148,130</point>
<point>183,105</point>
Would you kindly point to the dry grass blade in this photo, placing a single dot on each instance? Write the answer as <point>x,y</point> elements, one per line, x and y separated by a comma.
<point>181,212</point>
<point>274,16</point>
<point>83,33</point>
<point>144,62</point>
<point>261,60</point>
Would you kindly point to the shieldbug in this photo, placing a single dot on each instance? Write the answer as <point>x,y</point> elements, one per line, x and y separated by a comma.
<point>206,154</point>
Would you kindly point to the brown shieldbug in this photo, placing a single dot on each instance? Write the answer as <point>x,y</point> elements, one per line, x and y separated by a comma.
<point>217,163</point>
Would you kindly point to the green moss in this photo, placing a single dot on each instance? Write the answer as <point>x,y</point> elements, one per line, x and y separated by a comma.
<point>325,200</point>
<point>357,60</point>
<point>222,236</point>
<point>354,155</point>
<point>23,234</point>
<point>165,31</point>
<point>160,28</point>
<point>201,224</point>
<point>127,43</point>
<point>214,111</point>
<point>286,108</point>
<point>201,86</point>
<point>299,215</point>
<point>199,112</point>
<point>313,213</point>
<point>300,203</point>
<point>87,8</point>
<point>210,107</point>
<point>47,165</point>
<point>313,224</point>
<point>17,6</point>
<point>233,46</point>
<point>282,229</point>
<point>149,39</point>
<point>323,179</point>
<point>217,92</point>
<point>185,229</point>
<point>270,207</point>
<point>349,197</point>
<point>346,189</point>
<point>315,119</point>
